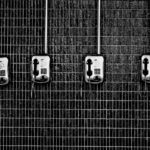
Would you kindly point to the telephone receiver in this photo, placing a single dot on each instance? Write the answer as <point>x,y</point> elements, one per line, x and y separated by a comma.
<point>145,70</point>
<point>89,63</point>
<point>35,71</point>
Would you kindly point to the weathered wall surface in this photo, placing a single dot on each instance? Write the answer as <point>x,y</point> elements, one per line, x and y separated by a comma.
<point>112,115</point>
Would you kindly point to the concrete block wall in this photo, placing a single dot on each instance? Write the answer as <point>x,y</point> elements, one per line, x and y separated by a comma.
<point>68,113</point>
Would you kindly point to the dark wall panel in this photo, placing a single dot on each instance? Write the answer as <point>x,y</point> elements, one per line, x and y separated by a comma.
<point>68,113</point>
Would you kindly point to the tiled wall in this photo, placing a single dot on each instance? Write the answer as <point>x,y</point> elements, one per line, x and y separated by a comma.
<point>68,113</point>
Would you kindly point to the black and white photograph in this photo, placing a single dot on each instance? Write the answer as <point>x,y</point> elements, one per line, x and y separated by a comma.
<point>74,74</point>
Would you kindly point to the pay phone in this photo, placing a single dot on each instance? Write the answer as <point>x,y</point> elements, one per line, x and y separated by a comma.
<point>94,65</point>
<point>4,72</point>
<point>94,69</point>
<point>145,65</point>
<point>40,69</point>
